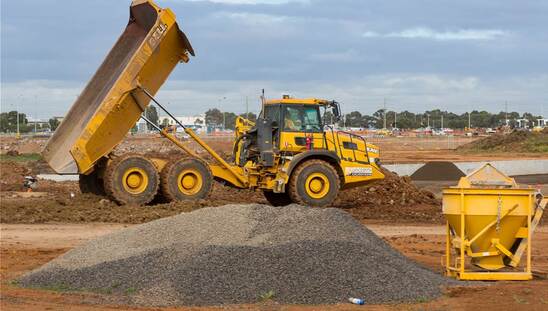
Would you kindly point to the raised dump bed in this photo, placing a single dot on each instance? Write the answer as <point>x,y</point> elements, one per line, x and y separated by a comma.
<point>145,54</point>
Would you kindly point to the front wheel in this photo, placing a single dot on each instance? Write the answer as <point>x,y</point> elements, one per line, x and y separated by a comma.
<point>314,183</point>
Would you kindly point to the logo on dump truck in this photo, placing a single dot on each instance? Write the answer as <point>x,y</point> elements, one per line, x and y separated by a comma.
<point>157,34</point>
<point>358,171</point>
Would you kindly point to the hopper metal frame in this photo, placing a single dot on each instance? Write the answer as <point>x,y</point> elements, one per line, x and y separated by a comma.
<point>456,265</point>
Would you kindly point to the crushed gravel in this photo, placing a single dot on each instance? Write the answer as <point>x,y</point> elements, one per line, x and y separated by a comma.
<point>238,254</point>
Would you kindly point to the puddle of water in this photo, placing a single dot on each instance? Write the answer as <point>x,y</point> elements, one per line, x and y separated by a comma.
<point>56,177</point>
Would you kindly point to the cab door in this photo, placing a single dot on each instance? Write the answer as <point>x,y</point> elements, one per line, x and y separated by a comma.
<point>301,128</point>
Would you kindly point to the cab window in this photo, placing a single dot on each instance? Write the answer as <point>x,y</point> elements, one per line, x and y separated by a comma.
<point>272,112</point>
<point>301,118</point>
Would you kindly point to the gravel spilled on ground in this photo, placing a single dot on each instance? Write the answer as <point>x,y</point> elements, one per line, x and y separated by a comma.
<point>238,254</point>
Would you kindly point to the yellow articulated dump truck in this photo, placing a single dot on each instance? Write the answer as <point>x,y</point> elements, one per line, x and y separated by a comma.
<point>288,153</point>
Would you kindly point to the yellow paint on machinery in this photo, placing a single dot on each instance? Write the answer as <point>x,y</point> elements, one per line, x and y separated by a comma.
<point>289,153</point>
<point>490,222</point>
<point>110,105</point>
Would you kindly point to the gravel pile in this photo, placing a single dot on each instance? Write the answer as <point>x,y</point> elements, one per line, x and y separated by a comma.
<point>238,253</point>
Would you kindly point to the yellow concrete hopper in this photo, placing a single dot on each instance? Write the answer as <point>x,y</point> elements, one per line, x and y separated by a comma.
<point>490,221</point>
<point>145,54</point>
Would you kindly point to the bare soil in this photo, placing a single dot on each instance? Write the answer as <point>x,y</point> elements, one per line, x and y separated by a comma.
<point>516,141</point>
<point>393,198</point>
<point>24,249</point>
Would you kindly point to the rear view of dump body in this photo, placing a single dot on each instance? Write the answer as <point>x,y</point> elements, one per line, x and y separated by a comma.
<point>145,54</point>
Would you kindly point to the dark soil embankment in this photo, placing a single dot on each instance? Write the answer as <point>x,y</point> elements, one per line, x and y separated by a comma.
<point>514,142</point>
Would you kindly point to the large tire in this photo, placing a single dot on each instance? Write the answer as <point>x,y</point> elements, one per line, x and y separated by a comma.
<point>186,179</point>
<point>314,183</point>
<point>131,179</point>
<point>91,183</point>
<point>277,199</point>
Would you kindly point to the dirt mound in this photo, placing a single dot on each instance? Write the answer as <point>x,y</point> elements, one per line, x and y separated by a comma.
<point>238,253</point>
<point>516,141</point>
<point>29,147</point>
<point>393,198</point>
<point>439,171</point>
<point>12,176</point>
<point>65,203</point>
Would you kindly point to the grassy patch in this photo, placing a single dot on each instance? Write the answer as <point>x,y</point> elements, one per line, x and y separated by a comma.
<point>61,287</point>
<point>130,290</point>
<point>520,300</point>
<point>21,157</point>
<point>268,295</point>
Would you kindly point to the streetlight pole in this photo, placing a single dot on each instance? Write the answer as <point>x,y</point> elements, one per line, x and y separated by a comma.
<point>246,107</point>
<point>17,110</point>
<point>35,117</point>
<point>442,121</point>
<point>384,114</point>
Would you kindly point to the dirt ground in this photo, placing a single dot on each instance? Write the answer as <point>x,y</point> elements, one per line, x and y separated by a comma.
<point>25,247</point>
<point>393,198</point>
<point>38,227</point>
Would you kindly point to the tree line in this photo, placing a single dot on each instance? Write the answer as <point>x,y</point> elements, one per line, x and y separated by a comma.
<point>403,120</point>
<point>8,123</point>
<point>432,118</point>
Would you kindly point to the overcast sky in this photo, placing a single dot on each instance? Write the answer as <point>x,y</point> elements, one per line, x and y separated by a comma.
<point>419,55</point>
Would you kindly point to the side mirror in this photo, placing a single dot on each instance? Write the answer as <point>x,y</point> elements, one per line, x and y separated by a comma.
<point>336,110</point>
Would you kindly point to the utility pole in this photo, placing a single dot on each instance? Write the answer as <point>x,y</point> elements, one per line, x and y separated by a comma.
<point>384,114</point>
<point>468,120</point>
<point>442,121</point>
<point>506,109</point>
<point>17,108</point>
<point>246,107</point>
<point>395,119</point>
<point>428,120</point>
<point>35,117</point>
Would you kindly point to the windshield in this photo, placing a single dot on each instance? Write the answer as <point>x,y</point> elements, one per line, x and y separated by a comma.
<point>299,118</point>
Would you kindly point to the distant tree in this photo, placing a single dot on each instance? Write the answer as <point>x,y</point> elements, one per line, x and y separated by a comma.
<point>328,118</point>
<point>152,115</point>
<point>229,120</point>
<point>53,124</point>
<point>198,121</point>
<point>214,117</point>
<point>249,116</point>
<point>8,122</point>
<point>354,119</point>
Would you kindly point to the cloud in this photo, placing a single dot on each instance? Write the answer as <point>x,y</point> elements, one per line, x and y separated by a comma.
<point>348,56</point>
<point>427,33</point>
<point>254,19</point>
<point>413,92</point>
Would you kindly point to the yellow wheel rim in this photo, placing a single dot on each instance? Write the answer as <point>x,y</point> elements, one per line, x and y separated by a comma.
<point>135,180</point>
<point>317,185</point>
<point>190,182</point>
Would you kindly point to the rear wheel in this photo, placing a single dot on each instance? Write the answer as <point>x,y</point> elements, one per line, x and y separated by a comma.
<point>91,183</point>
<point>186,179</point>
<point>314,183</point>
<point>277,199</point>
<point>131,179</point>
